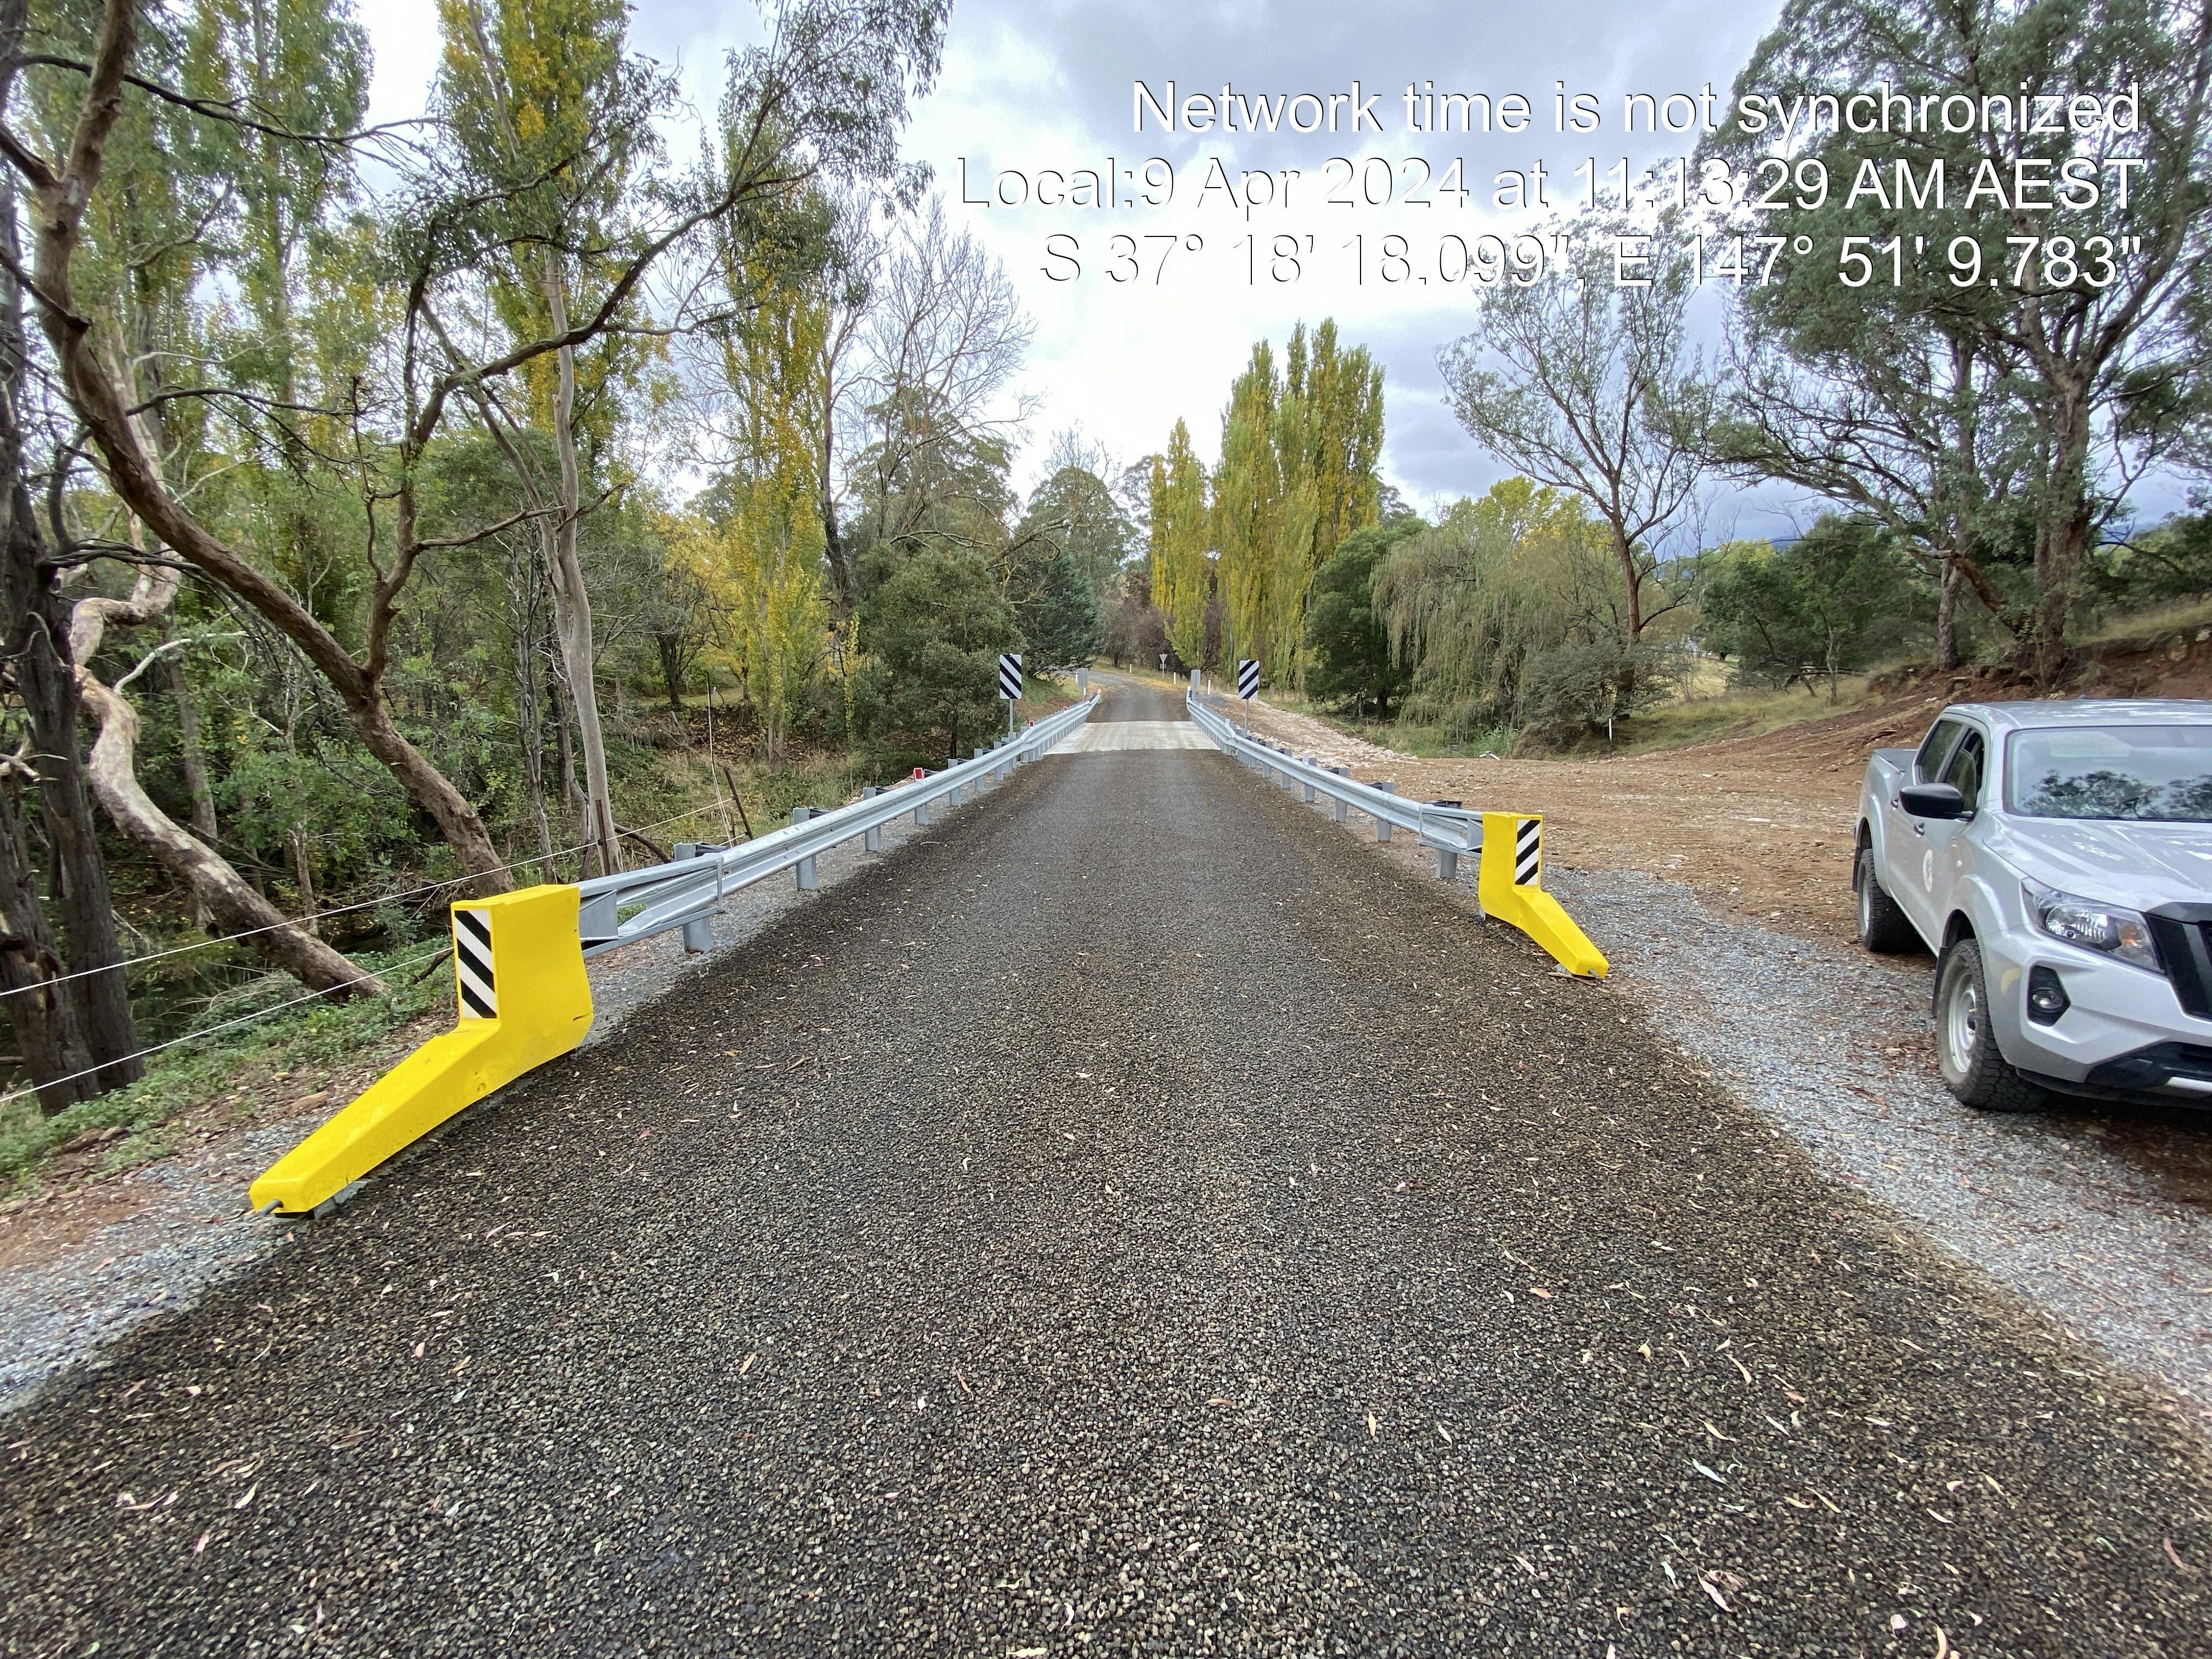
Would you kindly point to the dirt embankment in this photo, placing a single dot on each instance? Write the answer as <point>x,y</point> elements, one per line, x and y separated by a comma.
<point>1761,825</point>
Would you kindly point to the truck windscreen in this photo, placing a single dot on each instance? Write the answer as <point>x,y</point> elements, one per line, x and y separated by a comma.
<point>2153,773</point>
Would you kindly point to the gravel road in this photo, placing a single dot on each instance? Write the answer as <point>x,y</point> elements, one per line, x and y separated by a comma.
<point>182,1222</point>
<point>1088,1232</point>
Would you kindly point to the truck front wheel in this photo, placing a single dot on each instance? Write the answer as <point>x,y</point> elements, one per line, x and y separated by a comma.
<point>1882,927</point>
<point>1965,1047</point>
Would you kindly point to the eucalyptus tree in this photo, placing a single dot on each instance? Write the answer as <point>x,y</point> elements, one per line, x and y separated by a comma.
<point>2086,305</point>
<point>1590,386</point>
<point>944,338</point>
<point>824,97</point>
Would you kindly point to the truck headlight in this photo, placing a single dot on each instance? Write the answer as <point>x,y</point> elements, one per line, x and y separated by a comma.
<point>2108,927</point>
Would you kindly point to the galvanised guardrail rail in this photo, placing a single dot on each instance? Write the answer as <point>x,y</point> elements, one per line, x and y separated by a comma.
<point>1449,831</point>
<point>1509,881</point>
<point>523,998</point>
<point>619,909</point>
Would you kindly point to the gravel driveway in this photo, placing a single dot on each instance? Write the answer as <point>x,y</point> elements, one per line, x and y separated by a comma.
<point>1090,1231</point>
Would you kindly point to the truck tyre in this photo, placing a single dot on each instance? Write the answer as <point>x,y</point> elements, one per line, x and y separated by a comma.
<point>1883,928</point>
<point>1965,1049</point>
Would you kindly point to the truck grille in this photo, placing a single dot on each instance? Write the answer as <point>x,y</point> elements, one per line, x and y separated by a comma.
<point>2183,933</point>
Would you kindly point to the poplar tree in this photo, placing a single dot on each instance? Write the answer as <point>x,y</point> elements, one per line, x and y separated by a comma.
<point>1180,538</point>
<point>1296,475</point>
<point>1247,510</point>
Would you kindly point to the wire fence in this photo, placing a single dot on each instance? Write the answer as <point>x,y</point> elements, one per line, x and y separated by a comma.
<point>243,1019</point>
<point>129,963</point>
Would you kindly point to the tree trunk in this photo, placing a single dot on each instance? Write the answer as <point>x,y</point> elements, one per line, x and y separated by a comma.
<point>36,646</point>
<point>40,1013</point>
<point>844,581</point>
<point>530,727</point>
<point>303,879</point>
<point>234,906</point>
<point>192,761</point>
<point>1633,579</point>
<point>1947,617</point>
<point>672,670</point>
<point>564,746</point>
<point>572,601</point>
<point>2063,518</point>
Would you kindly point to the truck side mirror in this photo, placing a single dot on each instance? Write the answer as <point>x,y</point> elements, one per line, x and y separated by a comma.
<point>1932,800</point>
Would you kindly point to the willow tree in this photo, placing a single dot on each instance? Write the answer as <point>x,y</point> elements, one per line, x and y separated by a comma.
<point>1181,527</point>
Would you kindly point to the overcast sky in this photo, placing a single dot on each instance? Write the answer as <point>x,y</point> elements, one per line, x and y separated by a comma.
<point>1035,84</point>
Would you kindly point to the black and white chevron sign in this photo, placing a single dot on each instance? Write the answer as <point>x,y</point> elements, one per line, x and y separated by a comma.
<point>1248,678</point>
<point>1528,851</point>
<point>472,965</point>
<point>1010,675</point>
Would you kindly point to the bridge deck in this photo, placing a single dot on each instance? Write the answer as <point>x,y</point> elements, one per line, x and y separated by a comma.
<point>1129,1219</point>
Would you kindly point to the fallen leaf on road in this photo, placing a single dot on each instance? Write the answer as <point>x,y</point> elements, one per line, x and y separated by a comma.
<point>2175,1556</point>
<point>1707,1472</point>
<point>248,1497</point>
<point>1713,1590</point>
<point>201,1544</point>
<point>748,1365</point>
<point>1538,1290</point>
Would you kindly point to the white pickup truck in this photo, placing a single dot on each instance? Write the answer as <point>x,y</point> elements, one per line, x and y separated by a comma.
<point>2056,857</point>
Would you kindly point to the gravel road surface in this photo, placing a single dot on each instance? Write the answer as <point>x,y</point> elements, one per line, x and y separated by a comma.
<point>1088,1232</point>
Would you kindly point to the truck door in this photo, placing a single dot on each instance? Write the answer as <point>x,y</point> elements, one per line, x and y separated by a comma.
<point>1909,873</point>
<point>1945,861</point>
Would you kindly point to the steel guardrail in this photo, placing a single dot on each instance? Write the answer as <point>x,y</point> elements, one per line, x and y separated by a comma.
<point>1446,829</point>
<point>665,897</point>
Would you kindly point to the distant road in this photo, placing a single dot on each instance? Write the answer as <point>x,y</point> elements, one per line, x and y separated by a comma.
<point>1131,1219</point>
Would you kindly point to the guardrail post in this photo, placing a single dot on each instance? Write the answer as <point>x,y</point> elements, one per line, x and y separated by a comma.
<point>598,919</point>
<point>1338,801</point>
<point>699,932</point>
<point>1310,761</point>
<point>807,883</point>
<point>1383,826</point>
<point>1447,864</point>
<point>873,841</point>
